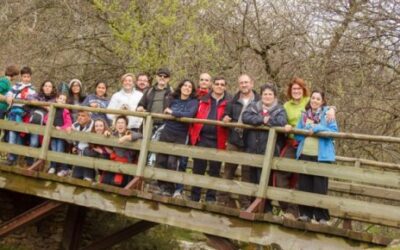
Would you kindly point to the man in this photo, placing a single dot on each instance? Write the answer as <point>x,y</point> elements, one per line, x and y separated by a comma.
<point>155,99</point>
<point>127,99</point>
<point>204,85</point>
<point>233,113</point>
<point>142,82</point>
<point>84,123</point>
<point>211,107</point>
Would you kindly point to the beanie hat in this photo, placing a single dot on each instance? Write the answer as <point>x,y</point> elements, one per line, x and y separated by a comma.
<point>73,81</point>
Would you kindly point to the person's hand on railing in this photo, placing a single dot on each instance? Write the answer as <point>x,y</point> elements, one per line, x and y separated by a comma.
<point>58,128</point>
<point>266,119</point>
<point>310,132</point>
<point>331,114</point>
<point>94,105</point>
<point>9,100</point>
<point>226,118</point>
<point>124,138</point>
<point>140,109</point>
<point>288,127</point>
<point>107,133</point>
<point>68,130</point>
<point>168,111</point>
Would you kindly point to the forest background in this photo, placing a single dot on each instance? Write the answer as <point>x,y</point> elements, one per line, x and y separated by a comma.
<point>348,48</point>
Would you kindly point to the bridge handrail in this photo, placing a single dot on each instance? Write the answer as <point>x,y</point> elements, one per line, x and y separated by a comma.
<point>343,135</point>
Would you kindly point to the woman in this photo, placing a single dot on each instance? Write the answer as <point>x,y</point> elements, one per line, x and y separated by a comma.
<point>315,149</point>
<point>98,100</point>
<point>298,95</point>
<point>47,93</point>
<point>183,103</point>
<point>76,96</point>
<point>268,112</point>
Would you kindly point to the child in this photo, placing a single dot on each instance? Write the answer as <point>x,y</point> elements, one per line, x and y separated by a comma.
<point>23,91</point>
<point>120,154</point>
<point>93,150</point>
<point>62,121</point>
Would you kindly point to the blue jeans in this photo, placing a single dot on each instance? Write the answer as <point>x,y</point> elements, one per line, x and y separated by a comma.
<point>13,138</point>
<point>182,165</point>
<point>34,143</point>
<point>58,145</point>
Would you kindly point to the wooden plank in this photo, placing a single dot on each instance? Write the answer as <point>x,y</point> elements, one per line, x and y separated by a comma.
<point>122,235</point>
<point>73,226</point>
<point>207,153</point>
<point>144,147</point>
<point>362,210</point>
<point>267,164</point>
<point>365,190</point>
<point>22,127</point>
<point>386,165</point>
<point>383,178</point>
<point>212,223</point>
<point>28,217</point>
<point>95,139</point>
<point>47,136</point>
<point>94,163</point>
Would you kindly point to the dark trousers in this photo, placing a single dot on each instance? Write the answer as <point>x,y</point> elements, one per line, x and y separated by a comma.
<point>200,166</point>
<point>229,173</point>
<point>313,184</point>
<point>169,161</point>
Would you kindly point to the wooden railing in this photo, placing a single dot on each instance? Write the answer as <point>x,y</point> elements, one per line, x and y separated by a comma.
<point>383,183</point>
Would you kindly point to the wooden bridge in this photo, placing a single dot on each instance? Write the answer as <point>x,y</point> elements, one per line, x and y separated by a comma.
<point>371,191</point>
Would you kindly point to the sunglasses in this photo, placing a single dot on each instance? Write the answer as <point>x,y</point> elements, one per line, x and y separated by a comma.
<point>204,80</point>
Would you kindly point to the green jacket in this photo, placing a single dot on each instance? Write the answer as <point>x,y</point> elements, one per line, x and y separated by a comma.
<point>5,86</point>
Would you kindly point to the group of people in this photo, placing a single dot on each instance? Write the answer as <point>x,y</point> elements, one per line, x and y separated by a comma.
<point>208,100</point>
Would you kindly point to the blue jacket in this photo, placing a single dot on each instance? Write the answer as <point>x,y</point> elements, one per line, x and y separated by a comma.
<point>181,108</point>
<point>326,147</point>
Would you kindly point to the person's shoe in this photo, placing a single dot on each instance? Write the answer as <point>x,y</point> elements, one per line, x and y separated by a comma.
<point>88,179</point>
<point>64,173</point>
<point>177,194</point>
<point>324,222</point>
<point>51,171</point>
<point>304,218</point>
<point>289,216</point>
<point>10,163</point>
<point>166,193</point>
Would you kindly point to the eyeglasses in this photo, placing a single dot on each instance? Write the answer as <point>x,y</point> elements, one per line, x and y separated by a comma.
<point>204,80</point>
<point>163,76</point>
<point>220,84</point>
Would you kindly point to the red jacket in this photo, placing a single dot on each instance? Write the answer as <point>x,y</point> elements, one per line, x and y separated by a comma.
<point>202,113</point>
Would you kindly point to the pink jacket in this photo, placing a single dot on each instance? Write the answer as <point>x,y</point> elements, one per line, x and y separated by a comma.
<point>66,117</point>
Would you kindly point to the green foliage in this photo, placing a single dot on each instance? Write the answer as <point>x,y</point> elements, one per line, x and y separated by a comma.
<point>155,33</point>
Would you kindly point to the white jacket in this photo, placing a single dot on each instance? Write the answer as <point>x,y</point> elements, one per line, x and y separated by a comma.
<point>131,101</point>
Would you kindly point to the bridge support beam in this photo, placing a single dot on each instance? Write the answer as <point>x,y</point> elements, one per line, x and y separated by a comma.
<point>220,243</point>
<point>27,218</point>
<point>73,226</point>
<point>122,235</point>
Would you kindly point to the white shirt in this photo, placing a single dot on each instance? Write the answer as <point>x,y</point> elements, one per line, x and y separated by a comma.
<point>131,101</point>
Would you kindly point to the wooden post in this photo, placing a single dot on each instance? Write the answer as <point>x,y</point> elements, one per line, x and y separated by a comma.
<point>259,203</point>
<point>144,149</point>
<point>73,227</point>
<point>122,235</point>
<point>47,134</point>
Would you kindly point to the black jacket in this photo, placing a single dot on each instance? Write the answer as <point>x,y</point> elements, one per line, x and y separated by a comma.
<point>148,96</point>
<point>234,109</point>
<point>256,140</point>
